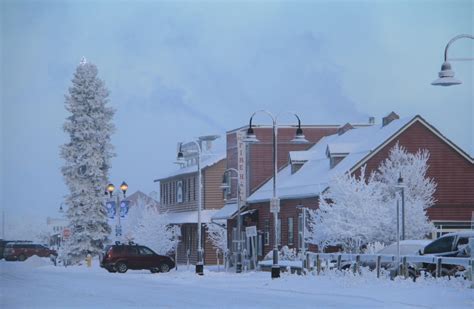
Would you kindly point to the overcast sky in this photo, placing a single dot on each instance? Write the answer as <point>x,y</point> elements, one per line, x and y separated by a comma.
<point>179,69</point>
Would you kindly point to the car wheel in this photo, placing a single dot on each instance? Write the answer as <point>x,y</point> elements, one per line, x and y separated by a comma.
<point>111,270</point>
<point>121,267</point>
<point>154,270</point>
<point>21,257</point>
<point>164,268</point>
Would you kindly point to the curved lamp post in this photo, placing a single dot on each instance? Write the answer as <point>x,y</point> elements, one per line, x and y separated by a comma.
<point>275,201</point>
<point>225,185</point>
<point>446,75</point>
<point>110,189</point>
<point>180,158</point>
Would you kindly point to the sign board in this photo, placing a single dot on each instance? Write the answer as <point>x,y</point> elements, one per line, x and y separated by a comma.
<point>118,230</point>
<point>251,231</point>
<point>274,204</point>
<point>242,165</point>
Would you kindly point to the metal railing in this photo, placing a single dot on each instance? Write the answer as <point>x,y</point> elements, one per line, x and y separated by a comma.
<point>315,261</point>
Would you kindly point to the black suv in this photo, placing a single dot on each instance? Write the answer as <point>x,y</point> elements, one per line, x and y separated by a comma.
<point>449,245</point>
<point>121,257</point>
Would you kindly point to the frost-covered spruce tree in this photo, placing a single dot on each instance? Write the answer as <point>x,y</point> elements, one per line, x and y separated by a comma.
<point>87,157</point>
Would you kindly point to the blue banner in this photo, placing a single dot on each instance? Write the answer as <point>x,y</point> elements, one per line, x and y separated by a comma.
<point>124,206</point>
<point>110,205</point>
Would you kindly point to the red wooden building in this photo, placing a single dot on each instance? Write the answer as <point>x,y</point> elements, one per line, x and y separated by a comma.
<point>304,174</point>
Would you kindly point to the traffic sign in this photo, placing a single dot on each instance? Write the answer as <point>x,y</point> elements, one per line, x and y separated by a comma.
<point>274,204</point>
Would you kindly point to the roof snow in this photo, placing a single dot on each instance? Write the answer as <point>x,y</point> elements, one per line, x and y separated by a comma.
<point>315,175</point>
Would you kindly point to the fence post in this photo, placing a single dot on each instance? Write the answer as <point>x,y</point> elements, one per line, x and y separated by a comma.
<point>308,261</point>
<point>217,257</point>
<point>405,267</point>
<point>379,260</point>
<point>357,263</point>
<point>339,258</point>
<point>472,271</point>
<point>438,267</point>
<point>318,264</point>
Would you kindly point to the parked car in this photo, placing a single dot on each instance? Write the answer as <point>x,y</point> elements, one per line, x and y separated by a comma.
<point>121,257</point>
<point>407,247</point>
<point>449,245</point>
<point>22,251</point>
<point>3,244</point>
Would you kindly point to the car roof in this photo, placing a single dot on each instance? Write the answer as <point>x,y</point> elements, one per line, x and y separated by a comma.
<point>460,234</point>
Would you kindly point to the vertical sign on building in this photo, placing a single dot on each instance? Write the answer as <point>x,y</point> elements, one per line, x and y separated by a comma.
<point>242,165</point>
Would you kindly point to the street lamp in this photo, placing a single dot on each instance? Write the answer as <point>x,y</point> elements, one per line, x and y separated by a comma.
<point>180,158</point>
<point>275,201</point>
<point>401,187</point>
<point>225,185</point>
<point>110,189</point>
<point>446,75</point>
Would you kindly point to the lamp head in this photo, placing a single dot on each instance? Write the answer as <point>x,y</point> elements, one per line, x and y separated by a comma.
<point>124,187</point>
<point>110,188</point>
<point>251,137</point>
<point>299,137</point>
<point>446,76</point>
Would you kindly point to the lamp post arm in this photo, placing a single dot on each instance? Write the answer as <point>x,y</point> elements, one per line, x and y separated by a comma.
<point>461,36</point>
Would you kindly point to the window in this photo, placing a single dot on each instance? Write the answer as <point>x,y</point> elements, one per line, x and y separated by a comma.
<point>145,251</point>
<point>300,231</point>
<point>189,189</point>
<point>290,231</point>
<point>444,244</point>
<point>266,233</point>
<point>179,191</point>
<point>194,188</point>
<point>184,190</point>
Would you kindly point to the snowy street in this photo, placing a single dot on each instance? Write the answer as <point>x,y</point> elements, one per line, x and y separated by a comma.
<point>37,284</point>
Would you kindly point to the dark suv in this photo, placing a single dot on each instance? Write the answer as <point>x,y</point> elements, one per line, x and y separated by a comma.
<point>449,245</point>
<point>22,251</point>
<point>121,257</point>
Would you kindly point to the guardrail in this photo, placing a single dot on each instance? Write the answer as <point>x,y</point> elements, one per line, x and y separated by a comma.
<point>315,260</point>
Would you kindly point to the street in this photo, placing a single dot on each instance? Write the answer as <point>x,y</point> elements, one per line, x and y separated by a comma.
<point>37,284</point>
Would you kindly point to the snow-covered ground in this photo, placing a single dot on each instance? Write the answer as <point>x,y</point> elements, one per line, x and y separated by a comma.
<point>37,284</point>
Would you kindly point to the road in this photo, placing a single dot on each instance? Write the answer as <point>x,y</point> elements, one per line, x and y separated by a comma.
<point>36,284</point>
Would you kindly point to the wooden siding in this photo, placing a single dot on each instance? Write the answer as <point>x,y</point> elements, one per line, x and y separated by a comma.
<point>212,180</point>
<point>453,174</point>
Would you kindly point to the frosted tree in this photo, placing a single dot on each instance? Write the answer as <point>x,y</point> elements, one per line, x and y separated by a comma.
<point>87,157</point>
<point>218,236</point>
<point>419,189</point>
<point>351,213</point>
<point>146,226</point>
<point>355,211</point>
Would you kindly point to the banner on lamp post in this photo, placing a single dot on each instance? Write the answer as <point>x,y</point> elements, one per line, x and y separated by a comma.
<point>124,206</point>
<point>110,206</point>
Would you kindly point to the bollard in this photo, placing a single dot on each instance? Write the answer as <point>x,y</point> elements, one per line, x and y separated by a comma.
<point>339,259</point>
<point>378,264</point>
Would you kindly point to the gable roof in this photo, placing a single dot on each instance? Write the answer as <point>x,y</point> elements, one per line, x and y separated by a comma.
<point>362,144</point>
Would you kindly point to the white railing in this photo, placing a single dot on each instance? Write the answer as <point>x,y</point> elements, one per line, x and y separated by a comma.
<point>315,261</point>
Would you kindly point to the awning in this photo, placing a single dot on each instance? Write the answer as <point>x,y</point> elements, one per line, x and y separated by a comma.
<point>190,216</point>
<point>225,212</point>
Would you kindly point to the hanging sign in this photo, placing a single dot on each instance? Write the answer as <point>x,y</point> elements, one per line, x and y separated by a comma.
<point>124,206</point>
<point>242,165</point>
<point>110,206</point>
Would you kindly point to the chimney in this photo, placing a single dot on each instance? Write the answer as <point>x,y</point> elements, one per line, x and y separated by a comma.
<point>389,118</point>
<point>344,128</point>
